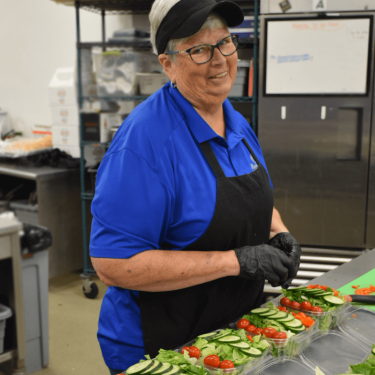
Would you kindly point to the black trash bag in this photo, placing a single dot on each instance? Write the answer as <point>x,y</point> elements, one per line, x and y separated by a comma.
<point>35,238</point>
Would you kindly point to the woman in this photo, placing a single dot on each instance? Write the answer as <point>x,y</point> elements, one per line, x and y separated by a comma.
<point>183,210</point>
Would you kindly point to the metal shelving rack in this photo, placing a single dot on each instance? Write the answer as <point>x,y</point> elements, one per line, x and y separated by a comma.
<point>110,7</point>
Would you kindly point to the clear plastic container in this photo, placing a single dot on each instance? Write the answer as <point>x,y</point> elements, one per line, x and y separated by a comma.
<point>251,365</point>
<point>282,366</point>
<point>325,320</point>
<point>360,324</point>
<point>116,71</point>
<point>333,352</point>
<point>288,347</point>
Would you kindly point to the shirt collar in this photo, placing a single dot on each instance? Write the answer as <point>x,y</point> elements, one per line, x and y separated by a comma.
<point>201,130</point>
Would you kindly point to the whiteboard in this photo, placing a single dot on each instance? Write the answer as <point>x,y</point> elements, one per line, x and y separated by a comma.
<point>327,56</point>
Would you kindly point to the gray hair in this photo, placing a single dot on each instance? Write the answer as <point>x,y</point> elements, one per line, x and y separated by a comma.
<point>159,10</point>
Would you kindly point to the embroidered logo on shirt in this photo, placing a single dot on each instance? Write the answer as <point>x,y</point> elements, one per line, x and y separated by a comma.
<point>253,163</point>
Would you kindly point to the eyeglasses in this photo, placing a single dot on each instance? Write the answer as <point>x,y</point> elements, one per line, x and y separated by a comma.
<point>203,53</point>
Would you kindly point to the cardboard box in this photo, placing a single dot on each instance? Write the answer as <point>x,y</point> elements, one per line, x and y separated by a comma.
<point>65,115</point>
<point>62,90</point>
<point>65,135</point>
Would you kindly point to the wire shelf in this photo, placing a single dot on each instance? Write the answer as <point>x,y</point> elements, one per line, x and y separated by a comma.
<point>144,44</point>
<point>112,7</point>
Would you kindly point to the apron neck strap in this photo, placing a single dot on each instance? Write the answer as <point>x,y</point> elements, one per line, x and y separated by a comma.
<point>211,159</point>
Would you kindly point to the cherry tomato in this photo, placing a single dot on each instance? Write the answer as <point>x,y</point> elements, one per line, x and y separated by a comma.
<point>226,364</point>
<point>316,309</point>
<point>305,305</point>
<point>285,301</point>
<point>194,352</point>
<point>279,335</point>
<point>269,332</point>
<point>295,305</point>
<point>242,324</point>
<point>250,328</point>
<point>212,360</point>
<point>185,348</point>
<point>258,331</point>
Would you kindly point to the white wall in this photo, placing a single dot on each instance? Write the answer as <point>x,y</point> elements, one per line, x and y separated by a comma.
<point>36,37</point>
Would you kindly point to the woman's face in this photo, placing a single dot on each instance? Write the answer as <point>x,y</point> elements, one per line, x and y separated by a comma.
<point>206,83</point>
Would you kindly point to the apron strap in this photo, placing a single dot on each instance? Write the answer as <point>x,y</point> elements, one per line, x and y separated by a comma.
<point>211,159</point>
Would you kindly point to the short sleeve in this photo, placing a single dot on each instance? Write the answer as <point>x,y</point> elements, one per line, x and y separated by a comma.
<point>131,208</point>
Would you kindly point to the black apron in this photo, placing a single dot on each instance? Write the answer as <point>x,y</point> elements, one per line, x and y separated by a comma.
<point>242,217</point>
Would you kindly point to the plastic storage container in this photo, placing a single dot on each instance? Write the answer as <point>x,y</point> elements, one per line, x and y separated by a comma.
<point>360,324</point>
<point>288,347</point>
<point>333,352</point>
<point>243,369</point>
<point>151,82</point>
<point>25,212</point>
<point>116,72</point>
<point>283,366</point>
<point>5,313</point>
<point>325,320</point>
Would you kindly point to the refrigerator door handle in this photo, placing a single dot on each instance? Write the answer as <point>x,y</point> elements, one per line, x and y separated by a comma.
<point>349,134</point>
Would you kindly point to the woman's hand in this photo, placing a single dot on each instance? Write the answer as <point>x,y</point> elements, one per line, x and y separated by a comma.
<point>288,244</point>
<point>264,261</point>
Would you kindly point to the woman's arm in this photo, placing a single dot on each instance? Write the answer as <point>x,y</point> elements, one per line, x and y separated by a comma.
<point>163,270</point>
<point>277,224</point>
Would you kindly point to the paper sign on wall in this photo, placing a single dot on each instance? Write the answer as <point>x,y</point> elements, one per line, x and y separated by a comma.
<point>319,5</point>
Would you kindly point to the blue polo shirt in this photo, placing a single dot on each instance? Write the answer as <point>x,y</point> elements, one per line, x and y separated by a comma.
<point>154,185</point>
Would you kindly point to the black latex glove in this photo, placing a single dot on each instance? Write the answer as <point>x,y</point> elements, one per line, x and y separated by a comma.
<point>288,244</point>
<point>264,262</point>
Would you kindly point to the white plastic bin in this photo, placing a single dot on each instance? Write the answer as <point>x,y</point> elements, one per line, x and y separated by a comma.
<point>5,313</point>
<point>25,212</point>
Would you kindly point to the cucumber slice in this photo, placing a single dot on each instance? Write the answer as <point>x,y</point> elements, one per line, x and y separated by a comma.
<point>252,352</point>
<point>219,335</point>
<point>322,294</point>
<point>288,318</point>
<point>229,339</point>
<point>297,329</point>
<point>260,310</point>
<point>297,288</point>
<point>174,371</point>
<point>139,367</point>
<point>165,367</point>
<point>156,365</point>
<point>313,291</point>
<point>241,345</point>
<point>207,335</point>
<point>334,300</point>
<point>373,350</point>
<point>293,324</point>
<point>270,313</point>
<point>279,315</point>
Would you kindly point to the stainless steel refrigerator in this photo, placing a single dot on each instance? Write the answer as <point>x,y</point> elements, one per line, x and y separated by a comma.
<point>316,125</point>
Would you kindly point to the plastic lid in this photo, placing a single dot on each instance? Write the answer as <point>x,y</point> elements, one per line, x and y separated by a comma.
<point>359,323</point>
<point>333,352</point>
<point>284,366</point>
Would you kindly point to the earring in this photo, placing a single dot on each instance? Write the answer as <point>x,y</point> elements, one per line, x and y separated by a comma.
<point>173,85</point>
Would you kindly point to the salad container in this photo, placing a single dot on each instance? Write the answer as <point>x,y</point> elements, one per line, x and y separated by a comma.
<point>283,366</point>
<point>252,364</point>
<point>325,320</point>
<point>289,347</point>
<point>360,324</point>
<point>333,352</point>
